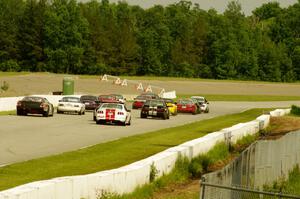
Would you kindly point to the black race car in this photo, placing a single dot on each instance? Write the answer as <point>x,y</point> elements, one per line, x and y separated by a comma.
<point>91,102</point>
<point>155,108</point>
<point>35,105</point>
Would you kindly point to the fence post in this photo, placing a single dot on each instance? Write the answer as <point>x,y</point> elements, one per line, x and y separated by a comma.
<point>202,188</point>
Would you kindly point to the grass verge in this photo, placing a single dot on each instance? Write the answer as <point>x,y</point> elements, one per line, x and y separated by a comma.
<point>2,113</point>
<point>161,78</point>
<point>249,98</point>
<point>125,151</point>
<point>7,74</point>
<point>185,171</point>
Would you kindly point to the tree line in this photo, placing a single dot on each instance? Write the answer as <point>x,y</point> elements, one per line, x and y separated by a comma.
<point>182,40</point>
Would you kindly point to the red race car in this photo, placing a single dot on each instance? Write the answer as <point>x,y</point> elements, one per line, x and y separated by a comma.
<point>140,100</point>
<point>107,99</point>
<point>187,106</point>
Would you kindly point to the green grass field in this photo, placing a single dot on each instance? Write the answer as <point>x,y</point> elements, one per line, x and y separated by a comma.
<point>125,151</point>
<point>184,79</point>
<point>7,113</point>
<point>7,74</point>
<point>249,98</point>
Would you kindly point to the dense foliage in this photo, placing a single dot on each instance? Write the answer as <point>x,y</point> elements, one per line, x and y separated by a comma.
<point>66,36</point>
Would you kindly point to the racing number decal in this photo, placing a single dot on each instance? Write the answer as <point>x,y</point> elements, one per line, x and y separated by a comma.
<point>110,114</point>
<point>152,111</point>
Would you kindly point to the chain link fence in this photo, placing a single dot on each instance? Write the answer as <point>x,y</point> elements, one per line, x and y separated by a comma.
<point>215,191</point>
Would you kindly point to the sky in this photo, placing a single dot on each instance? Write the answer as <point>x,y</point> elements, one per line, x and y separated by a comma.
<point>219,5</point>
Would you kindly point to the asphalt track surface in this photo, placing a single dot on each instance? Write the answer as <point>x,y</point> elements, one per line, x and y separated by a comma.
<point>28,137</point>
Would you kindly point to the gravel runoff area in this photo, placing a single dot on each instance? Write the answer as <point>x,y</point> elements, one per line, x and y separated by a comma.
<point>28,137</point>
<point>44,83</point>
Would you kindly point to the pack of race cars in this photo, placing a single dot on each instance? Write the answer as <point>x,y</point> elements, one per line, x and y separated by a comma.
<point>112,108</point>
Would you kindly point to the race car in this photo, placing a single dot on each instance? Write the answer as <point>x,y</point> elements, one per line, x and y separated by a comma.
<point>203,103</point>
<point>71,104</point>
<point>91,102</point>
<point>113,113</point>
<point>155,108</point>
<point>152,95</point>
<point>172,106</point>
<point>35,105</point>
<point>107,99</point>
<point>187,106</point>
<point>119,97</point>
<point>139,101</point>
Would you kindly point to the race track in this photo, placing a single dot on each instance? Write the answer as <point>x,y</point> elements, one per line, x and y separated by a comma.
<point>28,137</point>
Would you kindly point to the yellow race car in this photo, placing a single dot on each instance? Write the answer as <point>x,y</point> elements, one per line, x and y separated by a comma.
<point>171,106</point>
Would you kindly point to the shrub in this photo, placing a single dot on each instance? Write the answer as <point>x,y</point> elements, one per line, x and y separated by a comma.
<point>295,110</point>
<point>4,86</point>
<point>153,173</point>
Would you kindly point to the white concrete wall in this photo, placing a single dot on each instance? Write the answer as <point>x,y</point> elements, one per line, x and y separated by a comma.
<point>127,178</point>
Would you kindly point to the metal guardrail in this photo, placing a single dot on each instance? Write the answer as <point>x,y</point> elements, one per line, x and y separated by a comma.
<point>236,192</point>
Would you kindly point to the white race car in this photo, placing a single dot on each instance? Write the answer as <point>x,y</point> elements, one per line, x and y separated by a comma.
<point>71,104</point>
<point>203,103</point>
<point>113,113</point>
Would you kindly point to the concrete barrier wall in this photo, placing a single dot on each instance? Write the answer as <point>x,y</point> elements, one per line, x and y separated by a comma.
<point>127,178</point>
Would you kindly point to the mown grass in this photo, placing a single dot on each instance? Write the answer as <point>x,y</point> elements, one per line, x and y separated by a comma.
<point>180,174</point>
<point>2,113</point>
<point>162,78</point>
<point>116,153</point>
<point>185,170</point>
<point>7,74</point>
<point>250,98</point>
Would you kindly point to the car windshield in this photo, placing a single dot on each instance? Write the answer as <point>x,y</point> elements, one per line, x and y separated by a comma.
<point>118,96</point>
<point>111,105</point>
<point>168,100</point>
<point>88,97</point>
<point>106,97</point>
<point>199,99</point>
<point>156,103</point>
<point>143,97</point>
<point>183,102</point>
<point>32,99</point>
<point>70,99</point>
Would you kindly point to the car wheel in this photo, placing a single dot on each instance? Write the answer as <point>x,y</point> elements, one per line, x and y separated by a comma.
<point>94,118</point>
<point>83,112</point>
<point>58,112</point>
<point>164,116</point>
<point>20,113</point>
<point>46,114</point>
<point>143,115</point>
<point>98,122</point>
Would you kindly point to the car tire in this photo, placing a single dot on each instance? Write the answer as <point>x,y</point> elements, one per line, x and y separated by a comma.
<point>143,115</point>
<point>20,113</point>
<point>58,112</point>
<point>94,118</point>
<point>46,114</point>
<point>164,117</point>
<point>98,122</point>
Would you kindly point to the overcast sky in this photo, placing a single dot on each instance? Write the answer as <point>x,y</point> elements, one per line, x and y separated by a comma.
<point>219,5</point>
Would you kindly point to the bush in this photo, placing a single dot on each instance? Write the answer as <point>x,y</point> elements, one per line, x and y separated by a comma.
<point>153,172</point>
<point>295,110</point>
<point>10,66</point>
<point>4,86</point>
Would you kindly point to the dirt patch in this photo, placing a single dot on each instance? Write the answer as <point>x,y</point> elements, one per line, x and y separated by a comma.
<point>46,83</point>
<point>187,190</point>
<point>279,126</point>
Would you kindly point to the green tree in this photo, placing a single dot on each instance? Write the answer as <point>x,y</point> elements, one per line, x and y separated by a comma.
<point>10,13</point>
<point>66,33</point>
<point>31,35</point>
